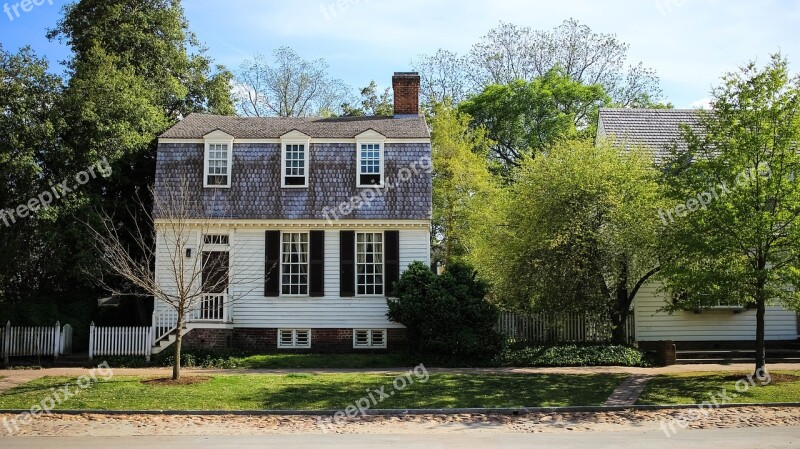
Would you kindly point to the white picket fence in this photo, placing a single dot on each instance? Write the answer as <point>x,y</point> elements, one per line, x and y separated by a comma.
<point>113,341</point>
<point>35,341</point>
<point>566,328</point>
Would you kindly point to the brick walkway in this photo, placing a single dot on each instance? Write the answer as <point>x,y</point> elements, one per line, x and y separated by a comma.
<point>628,391</point>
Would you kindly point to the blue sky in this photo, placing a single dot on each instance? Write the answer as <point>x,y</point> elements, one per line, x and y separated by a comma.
<point>690,43</point>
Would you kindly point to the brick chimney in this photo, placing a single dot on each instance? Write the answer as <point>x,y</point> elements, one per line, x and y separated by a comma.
<point>406,94</point>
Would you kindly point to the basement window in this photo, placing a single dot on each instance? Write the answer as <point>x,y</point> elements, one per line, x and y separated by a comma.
<point>369,338</point>
<point>294,338</point>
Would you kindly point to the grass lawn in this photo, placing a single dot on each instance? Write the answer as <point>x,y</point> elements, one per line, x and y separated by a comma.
<point>322,391</point>
<point>694,388</point>
<point>321,361</point>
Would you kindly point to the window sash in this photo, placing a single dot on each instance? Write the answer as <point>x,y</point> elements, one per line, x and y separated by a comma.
<point>217,165</point>
<point>369,264</point>
<point>370,164</point>
<point>294,263</point>
<point>295,164</point>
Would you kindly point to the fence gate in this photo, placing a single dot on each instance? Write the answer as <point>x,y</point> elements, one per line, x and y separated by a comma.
<point>34,341</point>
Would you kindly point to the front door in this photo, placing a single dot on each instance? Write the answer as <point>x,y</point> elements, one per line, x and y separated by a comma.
<point>216,265</point>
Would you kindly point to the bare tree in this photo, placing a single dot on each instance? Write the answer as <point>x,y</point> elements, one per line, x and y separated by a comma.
<point>443,75</point>
<point>289,86</point>
<point>511,52</point>
<point>181,258</point>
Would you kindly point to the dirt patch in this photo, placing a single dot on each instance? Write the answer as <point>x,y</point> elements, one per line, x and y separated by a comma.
<point>186,380</point>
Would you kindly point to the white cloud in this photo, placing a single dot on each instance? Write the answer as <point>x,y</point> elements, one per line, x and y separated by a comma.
<point>703,103</point>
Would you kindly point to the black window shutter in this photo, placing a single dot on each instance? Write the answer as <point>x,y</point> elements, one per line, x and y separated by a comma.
<point>316,269</point>
<point>272,268</point>
<point>391,260</point>
<point>347,253</point>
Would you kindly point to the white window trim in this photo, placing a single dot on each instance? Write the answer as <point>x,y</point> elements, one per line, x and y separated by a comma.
<point>308,263</point>
<point>294,338</point>
<point>370,343</point>
<point>295,141</point>
<point>367,141</point>
<point>217,141</point>
<point>383,263</point>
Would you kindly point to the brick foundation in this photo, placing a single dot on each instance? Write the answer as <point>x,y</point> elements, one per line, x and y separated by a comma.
<point>266,340</point>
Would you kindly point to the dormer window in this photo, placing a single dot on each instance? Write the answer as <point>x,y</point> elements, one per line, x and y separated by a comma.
<point>218,160</point>
<point>294,159</point>
<point>370,169</point>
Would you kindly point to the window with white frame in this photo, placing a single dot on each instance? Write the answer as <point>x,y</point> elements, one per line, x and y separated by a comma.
<point>369,338</point>
<point>370,164</point>
<point>295,165</point>
<point>216,239</point>
<point>369,263</point>
<point>218,160</point>
<point>294,338</point>
<point>294,263</point>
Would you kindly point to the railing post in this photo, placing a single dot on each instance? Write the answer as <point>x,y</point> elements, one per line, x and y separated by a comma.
<point>91,340</point>
<point>7,344</point>
<point>56,340</point>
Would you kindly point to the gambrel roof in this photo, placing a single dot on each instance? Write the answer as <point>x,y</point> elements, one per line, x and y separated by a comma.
<point>196,125</point>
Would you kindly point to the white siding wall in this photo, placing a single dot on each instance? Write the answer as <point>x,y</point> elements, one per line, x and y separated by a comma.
<point>724,325</point>
<point>250,308</point>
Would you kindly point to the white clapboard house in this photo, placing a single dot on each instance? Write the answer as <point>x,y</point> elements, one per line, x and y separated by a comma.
<point>726,325</point>
<point>308,220</point>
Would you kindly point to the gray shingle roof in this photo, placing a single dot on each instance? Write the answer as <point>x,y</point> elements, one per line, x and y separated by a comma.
<point>256,192</point>
<point>657,129</point>
<point>195,126</point>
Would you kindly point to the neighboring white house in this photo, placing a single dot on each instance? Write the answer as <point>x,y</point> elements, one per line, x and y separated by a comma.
<point>313,218</point>
<point>658,129</point>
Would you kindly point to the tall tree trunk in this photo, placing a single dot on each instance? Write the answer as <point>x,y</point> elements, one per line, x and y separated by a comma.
<point>619,317</point>
<point>176,365</point>
<point>761,353</point>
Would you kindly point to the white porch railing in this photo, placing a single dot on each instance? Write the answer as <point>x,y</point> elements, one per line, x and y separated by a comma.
<point>211,307</point>
<point>114,341</point>
<point>35,341</point>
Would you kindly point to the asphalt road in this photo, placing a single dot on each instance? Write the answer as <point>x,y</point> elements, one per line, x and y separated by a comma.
<point>749,438</point>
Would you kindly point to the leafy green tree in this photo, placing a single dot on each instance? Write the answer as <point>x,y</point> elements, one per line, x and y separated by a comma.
<point>371,103</point>
<point>29,150</point>
<point>461,180</point>
<point>152,38</point>
<point>136,69</point>
<point>446,316</point>
<point>576,232</point>
<point>733,233</point>
<point>524,118</point>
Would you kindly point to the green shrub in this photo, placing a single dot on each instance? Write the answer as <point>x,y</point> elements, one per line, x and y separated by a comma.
<point>571,355</point>
<point>446,316</point>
